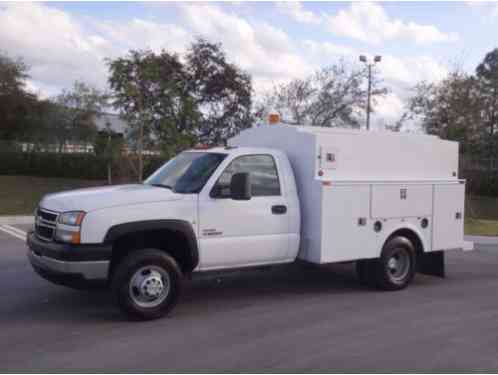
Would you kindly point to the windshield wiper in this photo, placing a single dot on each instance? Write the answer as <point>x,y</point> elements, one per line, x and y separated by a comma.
<point>163,186</point>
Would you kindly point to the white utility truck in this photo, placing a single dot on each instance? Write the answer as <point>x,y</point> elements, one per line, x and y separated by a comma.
<point>391,202</point>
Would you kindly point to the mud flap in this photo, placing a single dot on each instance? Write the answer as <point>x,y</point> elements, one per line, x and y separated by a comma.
<point>431,263</point>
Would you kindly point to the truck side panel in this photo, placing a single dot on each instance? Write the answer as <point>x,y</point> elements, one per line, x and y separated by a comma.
<point>401,200</point>
<point>448,216</point>
<point>346,229</point>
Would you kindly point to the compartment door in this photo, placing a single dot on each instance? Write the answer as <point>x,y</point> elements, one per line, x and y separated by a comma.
<point>447,230</point>
<point>398,200</point>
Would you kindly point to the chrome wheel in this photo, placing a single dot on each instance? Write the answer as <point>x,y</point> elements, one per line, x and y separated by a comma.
<point>149,286</point>
<point>398,265</point>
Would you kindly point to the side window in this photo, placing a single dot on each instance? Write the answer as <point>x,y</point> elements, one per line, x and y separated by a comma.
<point>264,175</point>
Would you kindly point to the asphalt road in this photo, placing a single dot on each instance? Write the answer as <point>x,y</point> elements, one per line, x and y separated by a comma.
<point>287,319</point>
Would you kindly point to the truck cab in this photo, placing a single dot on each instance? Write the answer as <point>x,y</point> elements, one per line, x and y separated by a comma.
<point>206,209</point>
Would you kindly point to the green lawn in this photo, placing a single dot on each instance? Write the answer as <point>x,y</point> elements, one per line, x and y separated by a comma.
<point>481,227</point>
<point>481,207</point>
<point>20,194</point>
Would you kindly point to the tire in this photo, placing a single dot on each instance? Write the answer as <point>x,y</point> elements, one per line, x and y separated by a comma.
<point>396,267</point>
<point>146,284</point>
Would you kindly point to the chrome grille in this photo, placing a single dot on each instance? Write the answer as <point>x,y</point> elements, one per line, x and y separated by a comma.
<point>45,224</point>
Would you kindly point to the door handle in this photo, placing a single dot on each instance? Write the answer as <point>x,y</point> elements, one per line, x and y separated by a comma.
<point>278,209</point>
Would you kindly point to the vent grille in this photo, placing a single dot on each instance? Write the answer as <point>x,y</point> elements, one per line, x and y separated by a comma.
<point>45,224</point>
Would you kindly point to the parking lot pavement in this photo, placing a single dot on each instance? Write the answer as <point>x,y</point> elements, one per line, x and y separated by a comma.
<point>288,319</point>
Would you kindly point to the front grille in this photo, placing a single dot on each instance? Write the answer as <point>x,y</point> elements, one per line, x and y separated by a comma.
<point>48,216</point>
<point>45,224</point>
<point>43,232</point>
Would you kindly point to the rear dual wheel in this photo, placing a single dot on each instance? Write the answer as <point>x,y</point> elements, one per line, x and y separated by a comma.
<point>394,269</point>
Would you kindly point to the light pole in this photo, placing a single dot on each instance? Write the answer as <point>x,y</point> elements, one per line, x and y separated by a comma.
<point>369,65</point>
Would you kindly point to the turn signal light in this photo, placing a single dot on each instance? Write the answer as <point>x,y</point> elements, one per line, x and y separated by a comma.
<point>76,238</point>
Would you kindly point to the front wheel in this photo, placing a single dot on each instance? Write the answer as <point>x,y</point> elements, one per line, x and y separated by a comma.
<point>396,266</point>
<point>146,284</point>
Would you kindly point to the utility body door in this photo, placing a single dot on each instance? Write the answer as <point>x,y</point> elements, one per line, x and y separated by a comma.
<point>238,233</point>
<point>449,202</point>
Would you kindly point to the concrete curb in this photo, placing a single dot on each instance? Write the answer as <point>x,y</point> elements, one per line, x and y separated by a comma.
<point>482,240</point>
<point>17,220</point>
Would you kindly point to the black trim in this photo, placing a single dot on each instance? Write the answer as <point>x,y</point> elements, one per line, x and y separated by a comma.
<point>182,226</point>
<point>279,209</point>
<point>72,280</point>
<point>431,263</point>
<point>215,188</point>
<point>68,252</point>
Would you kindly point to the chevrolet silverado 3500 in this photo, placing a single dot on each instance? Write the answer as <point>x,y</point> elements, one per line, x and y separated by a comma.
<point>390,202</point>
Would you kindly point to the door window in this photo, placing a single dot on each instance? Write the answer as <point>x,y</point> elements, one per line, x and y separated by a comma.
<point>263,171</point>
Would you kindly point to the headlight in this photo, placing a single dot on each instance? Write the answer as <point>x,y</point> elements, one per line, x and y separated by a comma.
<point>69,226</point>
<point>73,218</point>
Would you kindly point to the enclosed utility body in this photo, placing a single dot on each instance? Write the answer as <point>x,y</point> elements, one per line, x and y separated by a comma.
<point>357,189</point>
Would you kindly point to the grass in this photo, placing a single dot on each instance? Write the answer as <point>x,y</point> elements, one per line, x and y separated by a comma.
<point>482,216</point>
<point>481,227</point>
<point>20,194</point>
<point>481,207</point>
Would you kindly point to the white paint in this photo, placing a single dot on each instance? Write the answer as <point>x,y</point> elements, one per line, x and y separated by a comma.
<point>448,229</point>
<point>249,233</point>
<point>17,233</point>
<point>367,177</point>
<point>16,220</point>
<point>387,202</point>
<point>397,179</point>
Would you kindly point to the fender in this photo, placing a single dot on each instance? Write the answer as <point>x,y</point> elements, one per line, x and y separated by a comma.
<point>410,226</point>
<point>429,262</point>
<point>181,226</point>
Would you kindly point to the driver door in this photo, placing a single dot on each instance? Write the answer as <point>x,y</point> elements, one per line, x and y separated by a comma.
<point>238,233</point>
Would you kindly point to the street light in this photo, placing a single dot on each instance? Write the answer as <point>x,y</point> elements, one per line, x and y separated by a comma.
<point>364,59</point>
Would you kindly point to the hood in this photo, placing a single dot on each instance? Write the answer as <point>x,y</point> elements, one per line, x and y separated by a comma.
<point>90,199</point>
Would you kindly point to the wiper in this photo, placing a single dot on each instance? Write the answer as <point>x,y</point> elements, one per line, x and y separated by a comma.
<point>163,186</point>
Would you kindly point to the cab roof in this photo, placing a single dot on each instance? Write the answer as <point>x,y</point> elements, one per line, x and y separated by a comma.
<point>236,150</point>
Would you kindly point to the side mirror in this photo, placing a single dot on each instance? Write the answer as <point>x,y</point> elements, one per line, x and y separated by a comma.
<point>240,187</point>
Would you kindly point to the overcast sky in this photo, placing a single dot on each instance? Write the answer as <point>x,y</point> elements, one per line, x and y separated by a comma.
<point>275,42</point>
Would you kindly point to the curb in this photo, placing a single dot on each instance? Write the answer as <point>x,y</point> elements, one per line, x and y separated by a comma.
<point>17,220</point>
<point>482,240</point>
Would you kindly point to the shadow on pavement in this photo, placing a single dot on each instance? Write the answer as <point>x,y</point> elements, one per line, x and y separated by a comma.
<point>214,291</point>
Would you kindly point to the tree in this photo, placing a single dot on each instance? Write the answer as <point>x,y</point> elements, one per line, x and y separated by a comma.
<point>487,78</point>
<point>15,101</point>
<point>450,109</point>
<point>108,145</point>
<point>174,104</point>
<point>221,92</point>
<point>332,96</point>
<point>74,114</point>
<point>151,92</point>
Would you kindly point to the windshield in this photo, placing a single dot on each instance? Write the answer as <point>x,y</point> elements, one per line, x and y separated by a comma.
<point>187,172</point>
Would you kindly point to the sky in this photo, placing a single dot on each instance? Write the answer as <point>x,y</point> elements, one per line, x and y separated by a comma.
<point>275,42</point>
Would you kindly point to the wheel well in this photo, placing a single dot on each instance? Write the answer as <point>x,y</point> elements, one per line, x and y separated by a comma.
<point>173,242</point>
<point>412,236</point>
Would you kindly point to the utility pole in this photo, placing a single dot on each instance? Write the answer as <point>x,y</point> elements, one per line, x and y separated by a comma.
<point>369,65</point>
